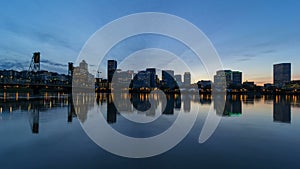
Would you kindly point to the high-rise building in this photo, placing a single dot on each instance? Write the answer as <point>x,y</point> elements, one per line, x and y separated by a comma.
<point>204,84</point>
<point>141,80</point>
<point>281,74</point>
<point>178,79</point>
<point>123,78</point>
<point>168,78</point>
<point>152,73</point>
<point>187,78</point>
<point>167,73</point>
<point>81,75</point>
<point>236,77</point>
<point>225,74</point>
<point>111,68</point>
<point>228,77</point>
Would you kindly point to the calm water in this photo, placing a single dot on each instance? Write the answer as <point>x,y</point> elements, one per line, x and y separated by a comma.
<point>44,131</point>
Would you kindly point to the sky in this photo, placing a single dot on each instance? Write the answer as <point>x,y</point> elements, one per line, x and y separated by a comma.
<point>249,35</point>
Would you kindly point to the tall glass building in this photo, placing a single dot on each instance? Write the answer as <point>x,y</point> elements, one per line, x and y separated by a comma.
<point>111,68</point>
<point>281,74</point>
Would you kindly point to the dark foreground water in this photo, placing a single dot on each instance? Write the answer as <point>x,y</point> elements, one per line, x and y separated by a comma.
<point>254,132</point>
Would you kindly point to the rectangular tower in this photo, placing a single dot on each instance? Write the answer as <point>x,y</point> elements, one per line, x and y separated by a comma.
<point>187,78</point>
<point>111,68</point>
<point>281,74</point>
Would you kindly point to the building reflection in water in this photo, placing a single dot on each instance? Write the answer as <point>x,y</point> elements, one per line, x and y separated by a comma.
<point>268,99</point>
<point>186,103</point>
<point>101,98</point>
<point>84,102</point>
<point>205,98</point>
<point>177,101</point>
<point>282,109</point>
<point>233,105</point>
<point>169,109</point>
<point>34,116</point>
<point>140,101</point>
<point>71,109</point>
<point>248,98</point>
<point>111,110</point>
<point>33,105</point>
<point>143,102</point>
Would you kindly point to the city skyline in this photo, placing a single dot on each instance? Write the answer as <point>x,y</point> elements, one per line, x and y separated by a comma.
<point>151,84</point>
<point>60,35</point>
<point>281,73</point>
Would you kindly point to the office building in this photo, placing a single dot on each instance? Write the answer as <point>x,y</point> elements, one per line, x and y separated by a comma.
<point>187,78</point>
<point>122,79</point>
<point>223,77</point>
<point>81,75</point>
<point>236,77</point>
<point>204,84</point>
<point>142,80</point>
<point>227,78</point>
<point>152,73</point>
<point>111,68</point>
<point>168,80</point>
<point>178,79</point>
<point>281,74</point>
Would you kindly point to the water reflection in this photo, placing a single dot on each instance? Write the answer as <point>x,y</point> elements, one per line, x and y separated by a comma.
<point>169,109</point>
<point>282,109</point>
<point>71,109</point>
<point>34,106</point>
<point>146,104</point>
<point>186,103</point>
<point>249,131</point>
<point>233,105</point>
<point>34,115</point>
<point>84,103</point>
<point>111,110</point>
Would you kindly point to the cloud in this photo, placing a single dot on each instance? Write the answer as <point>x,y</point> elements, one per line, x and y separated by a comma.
<point>249,56</point>
<point>50,68</point>
<point>56,64</point>
<point>264,44</point>
<point>13,64</point>
<point>243,59</point>
<point>20,39</point>
<point>24,65</point>
<point>36,33</point>
<point>268,51</point>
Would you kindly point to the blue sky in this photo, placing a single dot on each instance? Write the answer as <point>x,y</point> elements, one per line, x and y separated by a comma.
<point>249,35</point>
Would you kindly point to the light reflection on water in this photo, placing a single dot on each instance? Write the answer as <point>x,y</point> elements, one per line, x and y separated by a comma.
<point>262,130</point>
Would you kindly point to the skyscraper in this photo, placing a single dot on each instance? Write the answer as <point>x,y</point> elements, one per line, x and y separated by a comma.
<point>229,77</point>
<point>111,68</point>
<point>81,76</point>
<point>187,78</point>
<point>281,74</point>
<point>223,74</point>
<point>178,79</point>
<point>142,80</point>
<point>167,75</point>
<point>152,73</point>
<point>168,78</point>
<point>236,77</point>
